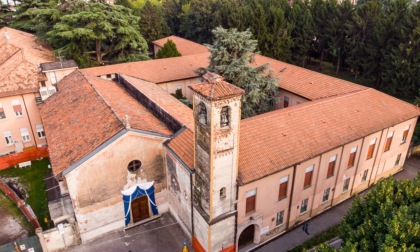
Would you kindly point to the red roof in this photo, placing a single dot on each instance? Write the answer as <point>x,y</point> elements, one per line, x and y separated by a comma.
<point>215,88</point>
<point>184,46</point>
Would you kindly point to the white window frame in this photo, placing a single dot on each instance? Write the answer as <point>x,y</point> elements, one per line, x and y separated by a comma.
<point>40,131</point>
<point>364,176</point>
<point>8,138</point>
<point>281,213</point>
<point>344,185</point>
<point>25,135</point>
<point>326,193</point>
<point>304,203</point>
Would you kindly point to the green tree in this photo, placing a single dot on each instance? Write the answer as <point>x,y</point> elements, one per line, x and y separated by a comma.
<point>300,18</point>
<point>387,219</point>
<point>107,29</point>
<point>152,23</point>
<point>232,52</point>
<point>168,50</point>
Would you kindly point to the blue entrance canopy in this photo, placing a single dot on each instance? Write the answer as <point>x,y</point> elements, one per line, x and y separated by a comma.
<point>135,192</point>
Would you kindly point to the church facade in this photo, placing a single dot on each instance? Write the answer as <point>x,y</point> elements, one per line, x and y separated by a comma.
<point>125,150</point>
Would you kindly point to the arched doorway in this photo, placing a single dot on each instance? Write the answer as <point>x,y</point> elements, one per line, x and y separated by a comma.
<point>246,237</point>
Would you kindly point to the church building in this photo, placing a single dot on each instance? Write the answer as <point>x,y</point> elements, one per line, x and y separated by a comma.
<point>125,150</point>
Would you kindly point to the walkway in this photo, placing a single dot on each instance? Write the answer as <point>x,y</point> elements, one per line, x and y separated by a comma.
<point>325,220</point>
<point>27,155</point>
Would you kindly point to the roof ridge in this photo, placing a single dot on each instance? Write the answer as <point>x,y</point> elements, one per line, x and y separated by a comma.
<point>101,97</point>
<point>304,105</point>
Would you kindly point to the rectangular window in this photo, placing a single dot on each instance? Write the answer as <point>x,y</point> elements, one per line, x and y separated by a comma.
<point>25,134</point>
<point>250,201</point>
<point>42,83</point>
<point>52,77</point>
<point>405,134</point>
<point>40,131</point>
<point>8,137</point>
<point>326,195</point>
<point>283,187</point>
<point>2,114</point>
<point>304,206</point>
<point>371,149</point>
<point>178,91</point>
<point>388,141</point>
<point>286,102</point>
<point>308,176</point>
<point>397,161</point>
<point>17,107</point>
<point>331,166</point>
<point>346,185</point>
<point>365,173</point>
<point>352,157</point>
<point>280,216</point>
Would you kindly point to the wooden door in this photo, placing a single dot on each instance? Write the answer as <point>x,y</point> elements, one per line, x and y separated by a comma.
<point>140,208</point>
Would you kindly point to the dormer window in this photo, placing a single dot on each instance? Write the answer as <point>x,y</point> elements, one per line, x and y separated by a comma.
<point>202,114</point>
<point>225,117</point>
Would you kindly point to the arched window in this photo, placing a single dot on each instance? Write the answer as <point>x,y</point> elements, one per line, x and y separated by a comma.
<point>134,166</point>
<point>223,193</point>
<point>225,117</point>
<point>202,114</point>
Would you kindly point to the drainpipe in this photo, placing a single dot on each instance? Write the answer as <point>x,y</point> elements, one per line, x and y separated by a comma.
<point>192,206</point>
<point>357,166</point>
<point>29,119</point>
<point>291,197</point>
<point>336,179</point>
<point>376,156</point>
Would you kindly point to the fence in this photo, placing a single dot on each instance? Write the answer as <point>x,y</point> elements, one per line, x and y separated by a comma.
<point>27,155</point>
<point>26,209</point>
<point>30,244</point>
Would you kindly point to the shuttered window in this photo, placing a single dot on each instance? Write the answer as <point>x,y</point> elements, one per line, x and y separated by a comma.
<point>283,187</point>
<point>308,176</point>
<point>388,141</point>
<point>17,107</point>
<point>331,166</point>
<point>371,149</point>
<point>405,134</point>
<point>352,157</point>
<point>251,197</point>
<point>286,102</point>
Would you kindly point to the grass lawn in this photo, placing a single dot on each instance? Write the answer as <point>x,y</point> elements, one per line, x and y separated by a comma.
<point>11,208</point>
<point>32,180</point>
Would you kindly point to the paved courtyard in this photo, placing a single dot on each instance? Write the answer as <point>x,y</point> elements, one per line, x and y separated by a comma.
<point>162,234</point>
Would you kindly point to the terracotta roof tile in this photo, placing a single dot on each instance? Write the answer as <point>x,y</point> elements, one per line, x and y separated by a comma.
<point>164,100</point>
<point>156,71</point>
<point>21,55</point>
<point>215,88</point>
<point>182,146</point>
<point>76,121</point>
<point>307,83</point>
<point>304,131</point>
<point>122,103</point>
<point>184,46</point>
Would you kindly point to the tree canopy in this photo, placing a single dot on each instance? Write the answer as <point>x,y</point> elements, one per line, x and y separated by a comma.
<point>232,52</point>
<point>386,219</point>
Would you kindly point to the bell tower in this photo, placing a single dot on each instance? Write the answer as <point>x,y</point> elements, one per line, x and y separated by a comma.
<point>217,114</point>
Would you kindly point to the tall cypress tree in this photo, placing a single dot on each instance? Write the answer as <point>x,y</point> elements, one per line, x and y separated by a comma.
<point>168,50</point>
<point>231,54</point>
<point>152,23</point>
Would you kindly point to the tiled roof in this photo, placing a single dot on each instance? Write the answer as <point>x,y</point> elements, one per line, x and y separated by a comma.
<point>19,61</point>
<point>156,71</point>
<point>215,89</point>
<point>182,146</point>
<point>76,121</point>
<point>122,103</point>
<point>184,46</point>
<point>279,139</point>
<point>164,100</point>
<point>307,83</point>
<point>58,65</point>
